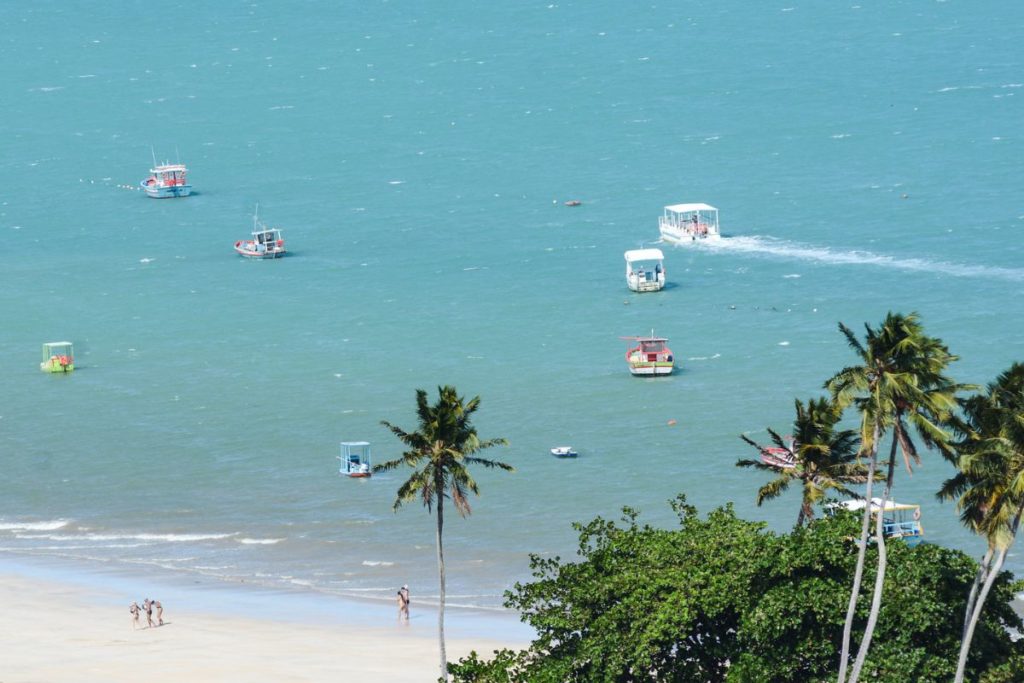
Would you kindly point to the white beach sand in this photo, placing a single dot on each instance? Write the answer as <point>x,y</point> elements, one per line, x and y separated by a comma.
<point>69,631</point>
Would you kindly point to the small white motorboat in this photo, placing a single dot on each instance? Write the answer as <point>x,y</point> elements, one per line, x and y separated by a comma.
<point>645,270</point>
<point>563,452</point>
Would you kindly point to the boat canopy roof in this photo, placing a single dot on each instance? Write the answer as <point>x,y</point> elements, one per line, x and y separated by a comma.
<point>355,443</point>
<point>890,505</point>
<point>683,208</point>
<point>644,255</point>
<point>166,168</point>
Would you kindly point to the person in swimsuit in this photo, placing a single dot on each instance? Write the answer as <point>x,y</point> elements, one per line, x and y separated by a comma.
<point>147,605</point>
<point>159,613</point>
<point>133,609</point>
<point>403,603</point>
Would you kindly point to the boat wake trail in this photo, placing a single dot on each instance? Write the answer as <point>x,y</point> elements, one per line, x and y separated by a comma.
<point>758,244</point>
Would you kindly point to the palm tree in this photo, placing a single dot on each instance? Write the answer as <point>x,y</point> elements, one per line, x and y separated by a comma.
<point>820,457</point>
<point>898,385</point>
<point>439,452</point>
<point>989,486</point>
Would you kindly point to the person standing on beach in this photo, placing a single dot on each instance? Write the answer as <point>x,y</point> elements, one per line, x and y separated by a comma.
<point>147,605</point>
<point>159,613</point>
<point>403,603</point>
<point>133,609</point>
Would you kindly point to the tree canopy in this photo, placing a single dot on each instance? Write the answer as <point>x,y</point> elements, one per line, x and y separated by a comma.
<point>723,599</point>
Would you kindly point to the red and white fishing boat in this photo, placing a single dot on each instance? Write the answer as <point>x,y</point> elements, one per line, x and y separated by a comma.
<point>778,457</point>
<point>651,356</point>
<point>167,180</point>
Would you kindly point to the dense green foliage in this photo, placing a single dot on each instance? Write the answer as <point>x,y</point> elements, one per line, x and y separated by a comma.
<point>823,458</point>
<point>722,599</point>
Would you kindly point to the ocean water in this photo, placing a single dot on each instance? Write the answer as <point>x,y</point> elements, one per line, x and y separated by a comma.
<point>864,157</point>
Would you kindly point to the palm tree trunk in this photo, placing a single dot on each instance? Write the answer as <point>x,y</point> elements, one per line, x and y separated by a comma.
<point>862,546</point>
<point>883,558</point>
<point>440,574</point>
<point>979,578</point>
<point>965,644</point>
<point>800,517</point>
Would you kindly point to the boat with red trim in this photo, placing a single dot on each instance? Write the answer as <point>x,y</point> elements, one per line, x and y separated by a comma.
<point>651,356</point>
<point>166,181</point>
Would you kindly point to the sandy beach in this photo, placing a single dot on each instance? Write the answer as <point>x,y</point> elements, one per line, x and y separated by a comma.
<point>54,630</point>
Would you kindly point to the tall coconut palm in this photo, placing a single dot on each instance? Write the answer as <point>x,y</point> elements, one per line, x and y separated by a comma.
<point>819,456</point>
<point>898,386</point>
<point>989,486</point>
<point>439,452</point>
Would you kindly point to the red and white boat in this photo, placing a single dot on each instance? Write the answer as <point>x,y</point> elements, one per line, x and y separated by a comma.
<point>166,181</point>
<point>651,356</point>
<point>778,457</point>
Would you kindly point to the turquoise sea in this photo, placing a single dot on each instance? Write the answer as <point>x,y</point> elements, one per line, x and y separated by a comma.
<point>865,157</point>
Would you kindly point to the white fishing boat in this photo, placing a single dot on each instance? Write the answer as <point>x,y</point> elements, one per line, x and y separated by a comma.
<point>899,520</point>
<point>650,356</point>
<point>564,452</point>
<point>689,223</point>
<point>645,270</point>
<point>355,459</point>
<point>266,242</point>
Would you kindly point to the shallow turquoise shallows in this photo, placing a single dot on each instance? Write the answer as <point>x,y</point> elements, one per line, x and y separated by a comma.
<point>419,157</point>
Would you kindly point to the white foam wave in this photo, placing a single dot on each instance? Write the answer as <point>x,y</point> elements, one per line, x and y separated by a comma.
<point>377,563</point>
<point>260,541</point>
<point>50,525</point>
<point>159,538</point>
<point>758,244</point>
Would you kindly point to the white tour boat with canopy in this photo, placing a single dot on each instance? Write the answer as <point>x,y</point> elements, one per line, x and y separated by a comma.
<point>689,223</point>
<point>645,270</point>
<point>355,459</point>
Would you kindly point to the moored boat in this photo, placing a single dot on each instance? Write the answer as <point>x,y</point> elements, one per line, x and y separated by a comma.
<point>355,459</point>
<point>645,270</point>
<point>58,357</point>
<point>689,223</point>
<point>564,452</point>
<point>265,243</point>
<point>899,520</point>
<point>651,356</point>
<point>167,180</point>
<point>778,457</point>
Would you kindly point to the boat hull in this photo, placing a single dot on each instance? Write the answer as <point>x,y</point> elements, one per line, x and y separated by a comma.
<point>651,369</point>
<point>55,366</point>
<point>638,285</point>
<point>165,191</point>
<point>685,236</point>
<point>248,250</point>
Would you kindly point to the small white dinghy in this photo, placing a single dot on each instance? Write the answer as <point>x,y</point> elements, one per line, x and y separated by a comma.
<point>563,452</point>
